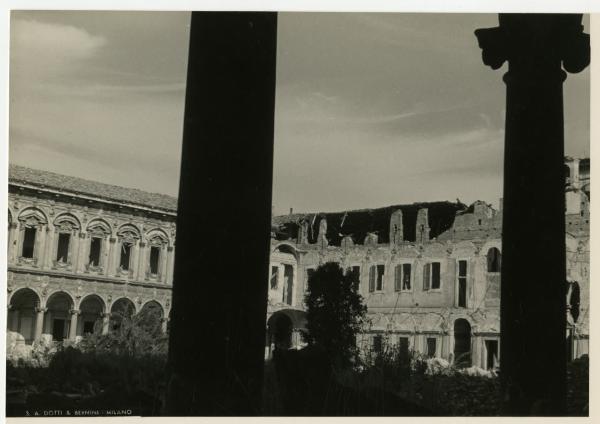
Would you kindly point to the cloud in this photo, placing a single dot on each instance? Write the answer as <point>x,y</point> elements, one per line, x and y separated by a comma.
<point>43,53</point>
<point>60,41</point>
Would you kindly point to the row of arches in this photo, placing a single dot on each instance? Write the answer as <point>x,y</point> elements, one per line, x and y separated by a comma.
<point>285,328</point>
<point>60,318</point>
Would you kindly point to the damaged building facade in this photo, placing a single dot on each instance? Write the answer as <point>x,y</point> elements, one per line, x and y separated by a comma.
<point>81,255</point>
<point>429,273</point>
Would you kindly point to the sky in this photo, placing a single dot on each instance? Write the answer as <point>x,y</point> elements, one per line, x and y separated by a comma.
<point>371,109</point>
<point>99,95</point>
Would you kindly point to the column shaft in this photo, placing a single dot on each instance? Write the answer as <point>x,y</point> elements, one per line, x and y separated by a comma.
<point>105,323</point>
<point>75,251</point>
<point>110,267</point>
<point>39,251</point>
<point>39,323</point>
<point>84,251</point>
<point>163,264</point>
<point>228,125</point>
<point>141,271</point>
<point>532,319</point>
<point>73,327</point>
<point>533,240</point>
<point>170,260</point>
<point>12,235</point>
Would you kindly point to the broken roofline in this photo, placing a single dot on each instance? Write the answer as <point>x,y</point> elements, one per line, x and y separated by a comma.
<point>434,217</point>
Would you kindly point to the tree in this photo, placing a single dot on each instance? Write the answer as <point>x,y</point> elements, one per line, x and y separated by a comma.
<point>335,312</point>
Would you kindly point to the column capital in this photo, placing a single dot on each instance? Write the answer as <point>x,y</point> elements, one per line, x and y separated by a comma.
<point>534,42</point>
<point>105,314</point>
<point>170,248</point>
<point>112,239</point>
<point>40,309</point>
<point>75,311</point>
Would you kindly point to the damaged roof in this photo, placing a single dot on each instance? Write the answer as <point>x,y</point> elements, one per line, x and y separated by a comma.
<point>357,223</point>
<point>75,185</point>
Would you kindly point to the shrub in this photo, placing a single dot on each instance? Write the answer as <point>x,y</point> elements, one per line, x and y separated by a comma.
<point>432,382</point>
<point>138,335</point>
<point>578,387</point>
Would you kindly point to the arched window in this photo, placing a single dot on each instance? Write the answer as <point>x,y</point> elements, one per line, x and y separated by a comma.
<point>66,226</point>
<point>98,232</point>
<point>128,236</point>
<point>494,260</point>
<point>31,221</point>
<point>157,245</point>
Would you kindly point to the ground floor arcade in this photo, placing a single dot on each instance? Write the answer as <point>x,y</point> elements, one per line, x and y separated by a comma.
<point>60,311</point>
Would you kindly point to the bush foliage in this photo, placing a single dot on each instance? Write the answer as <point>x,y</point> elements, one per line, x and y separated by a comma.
<point>123,369</point>
<point>137,335</point>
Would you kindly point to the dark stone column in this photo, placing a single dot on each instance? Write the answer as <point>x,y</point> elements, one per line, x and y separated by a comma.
<point>533,328</point>
<point>217,328</point>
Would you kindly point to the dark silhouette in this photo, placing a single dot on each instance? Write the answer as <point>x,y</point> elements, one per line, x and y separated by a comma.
<point>533,310</point>
<point>308,387</point>
<point>217,333</point>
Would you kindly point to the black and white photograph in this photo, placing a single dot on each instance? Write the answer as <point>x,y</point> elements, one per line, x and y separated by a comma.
<point>298,214</point>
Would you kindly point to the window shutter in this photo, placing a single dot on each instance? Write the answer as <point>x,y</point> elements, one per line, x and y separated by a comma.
<point>426,275</point>
<point>398,278</point>
<point>372,279</point>
<point>274,277</point>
